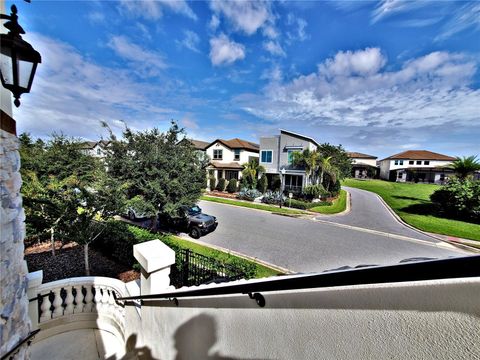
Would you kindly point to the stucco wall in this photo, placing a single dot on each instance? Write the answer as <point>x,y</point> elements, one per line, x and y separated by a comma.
<point>270,143</point>
<point>359,161</point>
<point>228,154</point>
<point>419,320</point>
<point>14,320</point>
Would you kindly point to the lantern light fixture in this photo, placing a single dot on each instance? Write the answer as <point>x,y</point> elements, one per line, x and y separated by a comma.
<point>18,59</point>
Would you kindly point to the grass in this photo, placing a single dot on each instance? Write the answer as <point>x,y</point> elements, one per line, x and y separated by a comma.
<point>173,241</point>
<point>252,205</point>
<point>338,205</point>
<point>412,203</point>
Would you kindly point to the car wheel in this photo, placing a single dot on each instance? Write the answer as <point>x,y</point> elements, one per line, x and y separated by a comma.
<point>131,215</point>
<point>195,233</point>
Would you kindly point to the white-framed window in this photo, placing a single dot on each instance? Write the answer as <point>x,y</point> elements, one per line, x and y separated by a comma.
<point>290,155</point>
<point>426,162</point>
<point>398,162</point>
<point>266,156</point>
<point>419,162</point>
<point>400,175</point>
<point>411,162</point>
<point>99,152</point>
<point>217,154</point>
<point>236,154</point>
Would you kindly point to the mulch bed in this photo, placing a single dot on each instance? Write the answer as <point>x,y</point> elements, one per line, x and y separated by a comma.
<point>69,262</point>
<point>222,194</point>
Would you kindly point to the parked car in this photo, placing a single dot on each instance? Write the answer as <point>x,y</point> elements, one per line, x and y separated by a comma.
<point>134,214</point>
<point>191,220</point>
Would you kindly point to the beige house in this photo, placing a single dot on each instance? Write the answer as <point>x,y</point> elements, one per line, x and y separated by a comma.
<point>227,157</point>
<point>95,148</point>
<point>416,166</point>
<point>363,166</point>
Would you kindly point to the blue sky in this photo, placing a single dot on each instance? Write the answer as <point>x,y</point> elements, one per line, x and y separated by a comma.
<point>377,77</point>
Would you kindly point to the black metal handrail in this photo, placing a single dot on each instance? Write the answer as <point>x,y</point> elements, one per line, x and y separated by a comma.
<point>11,354</point>
<point>450,268</point>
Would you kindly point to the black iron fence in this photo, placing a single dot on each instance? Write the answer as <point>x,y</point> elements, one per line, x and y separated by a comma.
<point>192,269</point>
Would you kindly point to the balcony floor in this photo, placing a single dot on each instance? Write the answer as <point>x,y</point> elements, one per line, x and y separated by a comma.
<point>84,344</point>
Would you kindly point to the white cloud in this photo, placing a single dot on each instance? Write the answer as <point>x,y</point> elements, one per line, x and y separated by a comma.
<point>298,25</point>
<point>145,62</point>
<point>352,89</point>
<point>96,17</point>
<point>153,9</point>
<point>214,23</point>
<point>466,17</point>
<point>273,48</point>
<point>245,16</point>
<point>386,8</point>
<point>191,41</point>
<point>225,51</point>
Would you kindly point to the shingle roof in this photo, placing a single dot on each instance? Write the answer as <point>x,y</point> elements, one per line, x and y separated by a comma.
<point>198,144</point>
<point>220,165</point>
<point>358,155</point>
<point>420,155</point>
<point>237,144</point>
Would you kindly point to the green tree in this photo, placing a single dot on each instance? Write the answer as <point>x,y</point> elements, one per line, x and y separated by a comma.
<point>262,184</point>
<point>338,158</point>
<point>250,173</point>
<point>166,172</point>
<point>309,160</point>
<point>465,167</point>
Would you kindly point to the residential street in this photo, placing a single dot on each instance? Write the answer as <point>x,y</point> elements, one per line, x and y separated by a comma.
<point>369,212</point>
<point>303,245</point>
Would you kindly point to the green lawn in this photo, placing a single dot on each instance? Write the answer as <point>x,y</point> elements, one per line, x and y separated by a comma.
<point>253,205</point>
<point>338,205</point>
<point>412,203</point>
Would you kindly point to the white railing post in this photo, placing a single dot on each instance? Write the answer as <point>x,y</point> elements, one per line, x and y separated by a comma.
<point>34,281</point>
<point>155,258</point>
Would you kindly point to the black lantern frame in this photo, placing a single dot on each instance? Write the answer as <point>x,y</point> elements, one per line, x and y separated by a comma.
<point>18,59</point>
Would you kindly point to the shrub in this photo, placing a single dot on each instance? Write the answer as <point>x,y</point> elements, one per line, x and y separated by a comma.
<point>459,199</point>
<point>221,184</point>
<point>232,186</point>
<point>335,188</point>
<point>262,184</point>
<point>212,181</point>
<point>314,191</point>
<point>276,183</point>
<point>273,197</point>
<point>298,204</point>
<point>248,194</point>
<point>116,241</point>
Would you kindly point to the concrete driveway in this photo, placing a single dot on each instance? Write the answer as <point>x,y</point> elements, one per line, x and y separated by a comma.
<point>303,245</point>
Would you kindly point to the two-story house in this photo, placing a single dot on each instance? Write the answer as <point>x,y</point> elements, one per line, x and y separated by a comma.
<point>416,166</point>
<point>95,148</point>
<point>363,165</point>
<point>276,157</point>
<point>227,157</point>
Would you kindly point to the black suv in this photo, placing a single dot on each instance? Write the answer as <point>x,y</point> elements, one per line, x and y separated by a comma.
<point>190,219</point>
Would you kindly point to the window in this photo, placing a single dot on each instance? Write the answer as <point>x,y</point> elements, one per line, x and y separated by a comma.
<point>400,175</point>
<point>401,162</point>
<point>218,154</point>
<point>293,182</point>
<point>411,162</point>
<point>99,152</point>
<point>290,155</point>
<point>426,162</point>
<point>398,162</point>
<point>419,162</point>
<point>266,156</point>
<point>236,155</point>
<point>231,174</point>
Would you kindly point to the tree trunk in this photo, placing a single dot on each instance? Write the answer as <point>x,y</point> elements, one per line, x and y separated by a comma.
<point>87,265</point>
<point>52,240</point>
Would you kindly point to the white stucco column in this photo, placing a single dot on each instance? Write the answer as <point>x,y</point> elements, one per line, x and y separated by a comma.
<point>155,258</point>
<point>34,281</point>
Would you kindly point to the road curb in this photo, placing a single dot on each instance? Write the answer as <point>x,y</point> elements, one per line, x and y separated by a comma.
<point>348,207</point>
<point>240,255</point>
<point>432,235</point>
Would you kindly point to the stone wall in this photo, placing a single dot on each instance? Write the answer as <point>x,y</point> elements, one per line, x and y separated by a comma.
<point>14,320</point>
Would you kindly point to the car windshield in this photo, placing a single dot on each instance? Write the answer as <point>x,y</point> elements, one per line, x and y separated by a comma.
<point>194,210</point>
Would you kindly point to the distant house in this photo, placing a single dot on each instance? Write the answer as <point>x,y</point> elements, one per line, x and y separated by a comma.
<point>227,157</point>
<point>363,165</point>
<point>95,148</point>
<point>276,157</point>
<point>197,144</point>
<point>416,166</point>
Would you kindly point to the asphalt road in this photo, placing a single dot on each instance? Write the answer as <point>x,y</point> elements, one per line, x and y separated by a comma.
<point>369,212</point>
<point>303,245</point>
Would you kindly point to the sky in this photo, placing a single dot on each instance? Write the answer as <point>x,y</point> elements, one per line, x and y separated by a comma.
<point>377,77</point>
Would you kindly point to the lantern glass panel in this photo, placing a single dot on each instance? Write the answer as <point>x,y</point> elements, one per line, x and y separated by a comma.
<point>6,69</point>
<point>24,73</point>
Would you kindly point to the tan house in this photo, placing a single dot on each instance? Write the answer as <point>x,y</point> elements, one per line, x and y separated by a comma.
<point>227,157</point>
<point>96,149</point>
<point>363,166</point>
<point>416,166</point>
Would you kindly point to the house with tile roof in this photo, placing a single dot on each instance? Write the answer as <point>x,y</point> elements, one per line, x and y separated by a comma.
<point>227,157</point>
<point>95,148</point>
<point>363,166</point>
<point>416,166</point>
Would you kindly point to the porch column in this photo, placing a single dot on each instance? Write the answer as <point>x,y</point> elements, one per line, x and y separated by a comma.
<point>155,258</point>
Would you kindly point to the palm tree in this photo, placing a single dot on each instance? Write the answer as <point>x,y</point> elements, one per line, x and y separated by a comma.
<point>308,160</point>
<point>252,171</point>
<point>465,166</point>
